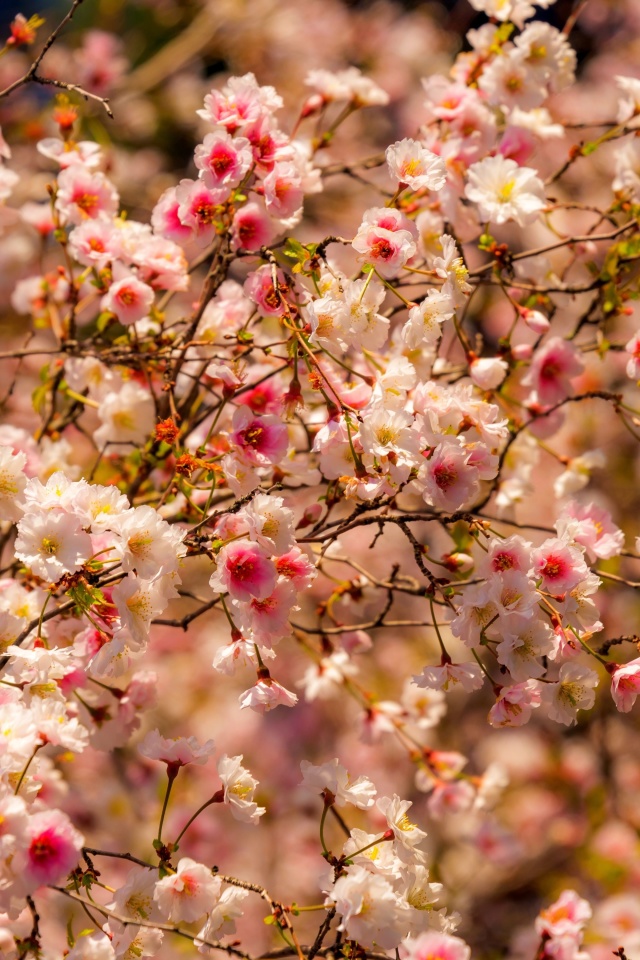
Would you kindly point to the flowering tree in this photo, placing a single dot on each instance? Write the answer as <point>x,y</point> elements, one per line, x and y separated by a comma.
<point>258,456</point>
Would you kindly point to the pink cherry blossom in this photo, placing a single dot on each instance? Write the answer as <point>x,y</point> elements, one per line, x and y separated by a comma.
<point>175,752</point>
<point>567,916</point>
<point>222,160</point>
<point>129,299</point>
<point>245,571</point>
<point>625,684</point>
<point>53,849</point>
<point>560,565</point>
<point>188,893</point>
<point>83,195</point>
<point>553,367</point>
<point>259,440</point>
<point>266,694</point>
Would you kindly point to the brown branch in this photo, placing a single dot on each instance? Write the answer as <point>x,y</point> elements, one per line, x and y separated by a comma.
<point>166,927</point>
<point>32,75</point>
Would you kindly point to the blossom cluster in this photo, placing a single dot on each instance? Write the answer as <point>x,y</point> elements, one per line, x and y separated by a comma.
<point>322,459</point>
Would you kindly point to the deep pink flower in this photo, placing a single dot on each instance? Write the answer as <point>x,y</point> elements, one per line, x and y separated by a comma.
<point>625,685</point>
<point>244,570</point>
<point>553,367</point>
<point>260,440</point>
<point>54,848</point>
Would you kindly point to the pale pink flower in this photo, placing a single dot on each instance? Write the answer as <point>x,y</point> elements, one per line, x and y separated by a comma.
<point>297,567</point>
<point>449,480</point>
<point>574,691</point>
<point>129,299</point>
<point>239,787</point>
<point>385,239</point>
<point>446,675</point>
<point>566,917</point>
<point>244,570</point>
<point>515,10</point>
<point>252,228</point>
<point>508,82</point>
<point>12,483</point>
<point>535,320</point>
<point>629,104</point>
<point>83,195</point>
<point>127,416</point>
<point>424,323</point>
<point>188,893</point>
<point>323,680</point>
<point>138,602</point>
<point>221,919</point>
<point>145,543</point>
<point>411,163</point>
<point>633,364</point>
<point>198,209</point>
<point>371,912</point>
<point>270,523</point>
<point>92,946</point>
<point>130,941</point>
<point>407,835</point>
<point>488,372</point>
<point>52,544</point>
<point>267,618</point>
<point>177,751</point>
<point>53,849</point>
<point>515,704</point>
<point>332,776</point>
<point>347,85</point>
<point>517,144</point>
<point>259,440</point>
<point>241,102</point>
<point>553,367</point>
<point>283,190</point>
<point>39,216</point>
<point>94,243</point>
<point>592,527</point>
<point>86,153</point>
<point>433,945</point>
<point>162,264</point>
<point>266,694</point>
<point>560,565</point>
<point>166,221</point>
<point>100,61</point>
<point>259,287</point>
<point>453,796</point>
<point>223,160</point>
<point>509,553</point>
<point>452,269</point>
<point>504,191</point>
<point>625,684</point>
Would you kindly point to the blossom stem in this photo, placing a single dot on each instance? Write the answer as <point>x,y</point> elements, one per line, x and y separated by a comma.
<point>590,650</point>
<point>28,764</point>
<point>483,668</point>
<point>390,286</point>
<point>216,798</point>
<point>42,612</point>
<point>382,839</point>
<point>172,773</point>
<point>445,654</point>
<point>325,849</point>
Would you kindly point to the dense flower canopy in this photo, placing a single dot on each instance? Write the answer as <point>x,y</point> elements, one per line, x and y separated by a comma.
<point>317,457</point>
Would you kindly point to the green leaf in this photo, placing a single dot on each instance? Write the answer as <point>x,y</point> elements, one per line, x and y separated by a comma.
<point>295,250</point>
<point>85,596</point>
<point>103,321</point>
